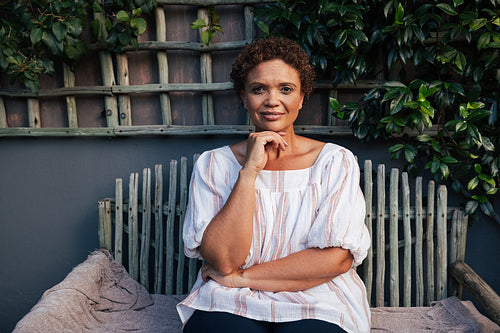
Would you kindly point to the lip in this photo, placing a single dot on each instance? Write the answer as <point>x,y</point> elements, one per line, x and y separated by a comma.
<point>270,115</point>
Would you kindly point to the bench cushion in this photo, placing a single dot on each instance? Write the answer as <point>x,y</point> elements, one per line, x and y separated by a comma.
<point>99,295</point>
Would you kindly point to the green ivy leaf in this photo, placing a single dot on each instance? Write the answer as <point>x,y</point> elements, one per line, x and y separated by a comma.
<point>334,104</point>
<point>483,41</point>
<point>395,147</point>
<point>471,206</point>
<point>198,24</point>
<point>424,138</point>
<point>206,37</point>
<point>124,38</point>
<point>445,170</point>
<point>480,198</point>
<point>263,26</point>
<point>492,191</point>
<point>32,85</point>
<point>96,28</point>
<point>435,164</point>
<point>487,144</point>
<point>478,24</point>
<point>435,146</point>
<point>460,61</point>
<point>449,160</point>
<point>447,9</point>
<point>464,112</point>
<point>472,184</point>
<point>410,153</point>
<point>486,207</point>
<point>136,12</point>
<point>55,46</point>
<point>122,16</point>
<point>36,35</point>
<point>493,45</point>
<point>59,31</point>
<point>72,53</point>
<point>339,37</point>
<point>139,24</point>
<point>400,12</point>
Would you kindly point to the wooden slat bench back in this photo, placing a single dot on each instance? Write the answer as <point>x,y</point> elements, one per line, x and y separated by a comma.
<point>415,235</point>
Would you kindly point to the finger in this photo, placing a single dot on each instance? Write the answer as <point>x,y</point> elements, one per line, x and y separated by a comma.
<point>204,273</point>
<point>285,144</point>
<point>205,276</point>
<point>268,137</point>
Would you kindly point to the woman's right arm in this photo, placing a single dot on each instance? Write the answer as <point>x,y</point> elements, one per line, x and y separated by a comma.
<point>227,239</point>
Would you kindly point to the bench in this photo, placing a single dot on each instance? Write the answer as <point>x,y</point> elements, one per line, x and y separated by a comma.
<point>416,258</point>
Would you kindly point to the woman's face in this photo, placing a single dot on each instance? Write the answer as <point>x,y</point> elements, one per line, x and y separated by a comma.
<point>272,96</point>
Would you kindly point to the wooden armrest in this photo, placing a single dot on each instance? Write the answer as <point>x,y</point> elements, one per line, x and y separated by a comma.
<point>478,288</point>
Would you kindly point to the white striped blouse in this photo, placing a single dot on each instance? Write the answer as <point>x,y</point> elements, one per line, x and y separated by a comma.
<point>317,207</point>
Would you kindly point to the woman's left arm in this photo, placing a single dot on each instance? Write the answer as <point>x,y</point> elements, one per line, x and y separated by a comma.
<point>299,271</point>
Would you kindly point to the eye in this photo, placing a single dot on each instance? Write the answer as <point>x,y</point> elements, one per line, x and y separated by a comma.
<point>257,90</point>
<point>287,90</point>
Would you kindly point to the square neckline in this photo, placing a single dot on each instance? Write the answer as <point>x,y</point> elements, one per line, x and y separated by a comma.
<point>321,153</point>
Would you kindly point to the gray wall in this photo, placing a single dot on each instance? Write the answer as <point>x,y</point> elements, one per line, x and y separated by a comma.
<point>49,189</point>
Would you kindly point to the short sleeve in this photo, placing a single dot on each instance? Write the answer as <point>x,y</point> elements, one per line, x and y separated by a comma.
<point>209,189</point>
<point>340,218</point>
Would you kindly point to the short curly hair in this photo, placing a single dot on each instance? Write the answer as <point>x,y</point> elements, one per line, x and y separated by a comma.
<point>272,48</point>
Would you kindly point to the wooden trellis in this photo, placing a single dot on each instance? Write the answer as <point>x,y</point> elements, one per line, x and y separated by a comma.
<point>116,90</point>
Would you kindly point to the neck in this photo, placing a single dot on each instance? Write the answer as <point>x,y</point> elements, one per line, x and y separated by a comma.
<point>291,138</point>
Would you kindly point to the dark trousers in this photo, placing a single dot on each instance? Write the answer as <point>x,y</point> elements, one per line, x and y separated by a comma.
<point>221,322</point>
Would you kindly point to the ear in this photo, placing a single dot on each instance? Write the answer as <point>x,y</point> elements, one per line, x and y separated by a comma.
<point>301,100</point>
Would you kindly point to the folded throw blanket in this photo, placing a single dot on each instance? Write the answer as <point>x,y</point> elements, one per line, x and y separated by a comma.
<point>99,296</point>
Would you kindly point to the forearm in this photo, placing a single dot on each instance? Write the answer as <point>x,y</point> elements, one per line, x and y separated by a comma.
<point>298,271</point>
<point>269,283</point>
<point>227,239</point>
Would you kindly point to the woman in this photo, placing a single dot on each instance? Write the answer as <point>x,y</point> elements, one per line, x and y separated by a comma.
<point>278,218</point>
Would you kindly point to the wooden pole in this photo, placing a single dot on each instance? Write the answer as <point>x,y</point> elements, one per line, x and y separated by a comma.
<point>69,81</point>
<point>393,238</point>
<point>442,244</point>
<point>380,278</point>
<point>119,220</point>
<point>431,291</point>
<point>405,188</point>
<point>169,239</point>
<point>159,234</point>
<point>146,227</point>
<point>419,235</point>
<point>161,35</point>
<point>133,226</point>
<point>478,288</point>
<point>368,263</point>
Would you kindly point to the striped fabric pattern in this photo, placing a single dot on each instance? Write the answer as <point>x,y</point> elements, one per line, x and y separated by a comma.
<point>321,206</point>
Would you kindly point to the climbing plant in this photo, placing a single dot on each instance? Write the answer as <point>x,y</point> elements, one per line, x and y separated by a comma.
<point>438,62</point>
<point>208,28</point>
<point>35,33</point>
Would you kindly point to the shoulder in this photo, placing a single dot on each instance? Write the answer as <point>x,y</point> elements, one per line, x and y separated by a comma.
<point>334,151</point>
<point>336,159</point>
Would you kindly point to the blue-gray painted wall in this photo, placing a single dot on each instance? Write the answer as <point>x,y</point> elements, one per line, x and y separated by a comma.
<point>49,189</point>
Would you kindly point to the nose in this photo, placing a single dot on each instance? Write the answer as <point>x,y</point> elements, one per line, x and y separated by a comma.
<point>272,98</point>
